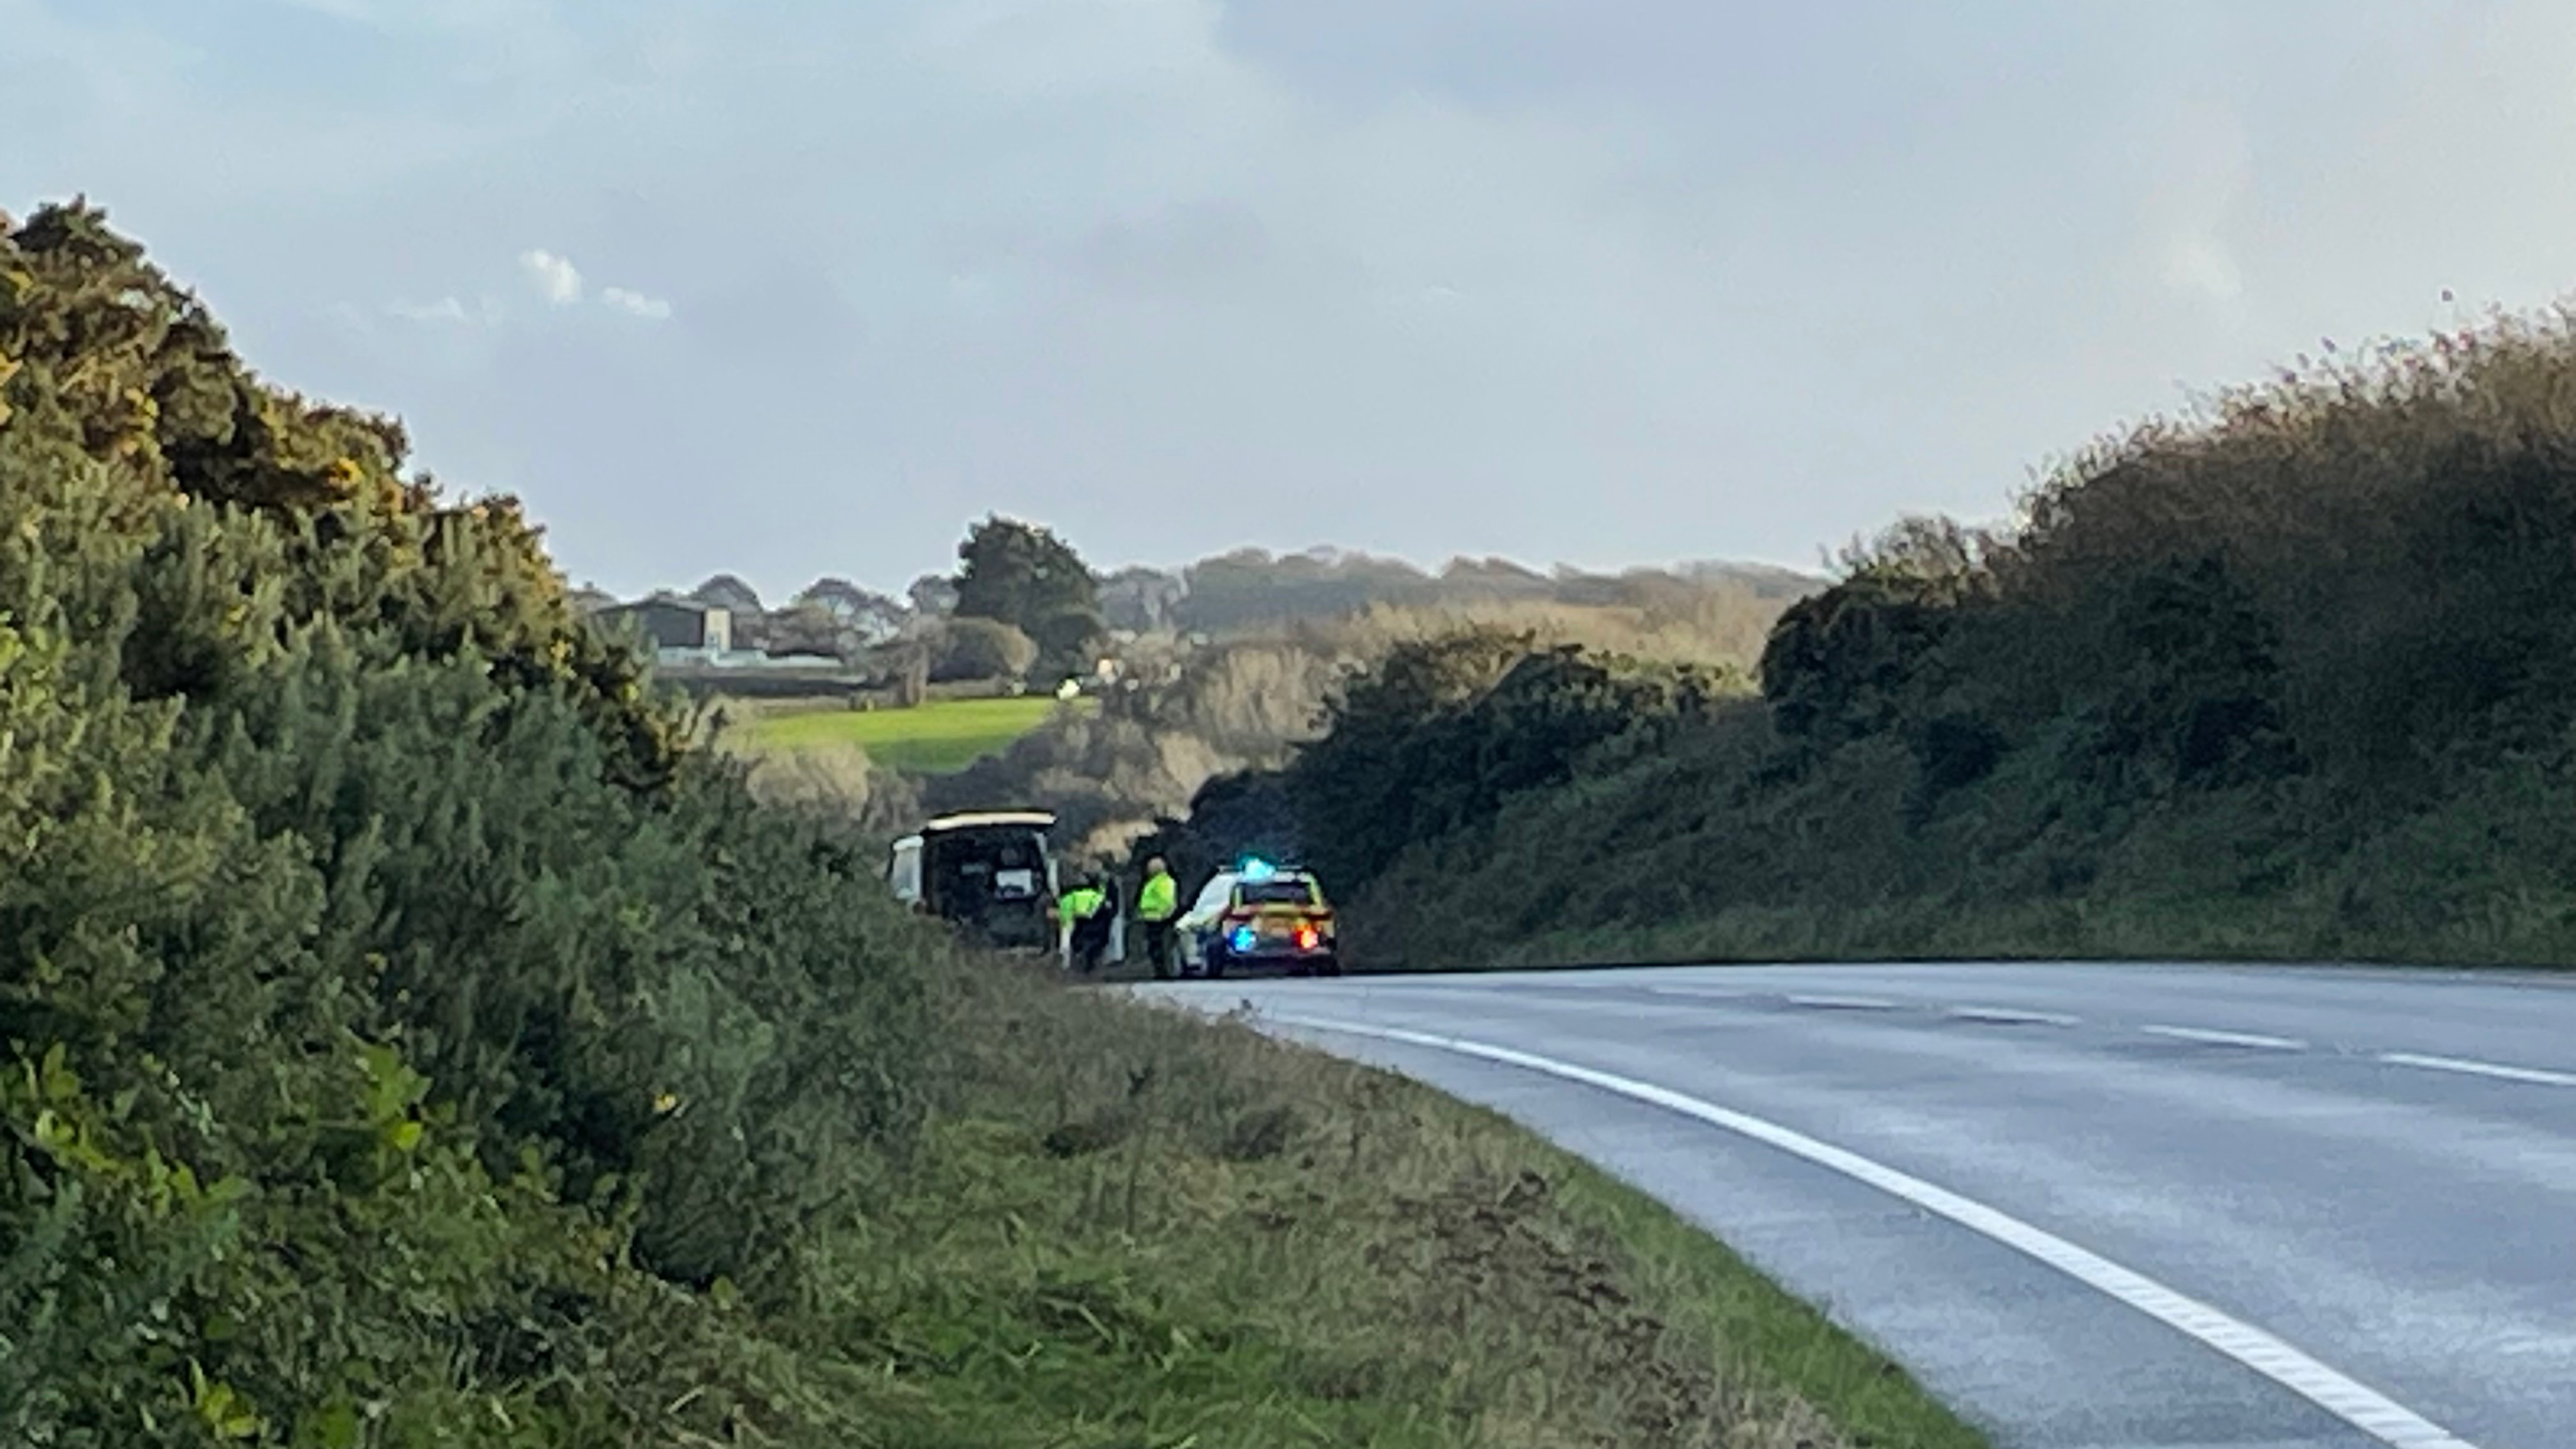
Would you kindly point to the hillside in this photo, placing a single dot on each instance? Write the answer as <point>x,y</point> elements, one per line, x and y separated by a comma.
<point>1249,704</point>
<point>1253,593</point>
<point>2289,678</point>
<point>415,1037</point>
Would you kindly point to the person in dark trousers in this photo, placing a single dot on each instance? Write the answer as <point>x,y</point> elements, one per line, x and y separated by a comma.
<point>1087,907</point>
<point>1158,902</point>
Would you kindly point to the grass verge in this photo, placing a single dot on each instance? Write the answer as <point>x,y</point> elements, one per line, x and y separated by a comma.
<point>1139,1228</point>
<point>936,738</point>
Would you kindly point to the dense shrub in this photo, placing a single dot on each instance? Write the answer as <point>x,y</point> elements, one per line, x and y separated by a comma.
<point>971,648</point>
<point>2191,701</point>
<point>1442,731</point>
<point>381,969</point>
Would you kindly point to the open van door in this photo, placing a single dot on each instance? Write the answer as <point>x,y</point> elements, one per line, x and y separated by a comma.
<point>991,874</point>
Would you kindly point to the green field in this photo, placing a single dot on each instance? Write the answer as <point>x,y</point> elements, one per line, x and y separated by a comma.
<point>937,738</point>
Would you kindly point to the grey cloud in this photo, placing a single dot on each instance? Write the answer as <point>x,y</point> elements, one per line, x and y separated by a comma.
<point>769,314</point>
<point>1173,248</point>
<point>1601,280</point>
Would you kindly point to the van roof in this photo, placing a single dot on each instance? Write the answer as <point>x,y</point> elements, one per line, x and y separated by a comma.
<point>1036,819</point>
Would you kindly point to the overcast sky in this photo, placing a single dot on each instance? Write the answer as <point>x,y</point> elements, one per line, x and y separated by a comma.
<point>801,286</point>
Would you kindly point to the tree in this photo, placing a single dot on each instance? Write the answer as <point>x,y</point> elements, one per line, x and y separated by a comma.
<point>972,648</point>
<point>805,627</point>
<point>1023,575</point>
<point>933,596</point>
<point>872,616</point>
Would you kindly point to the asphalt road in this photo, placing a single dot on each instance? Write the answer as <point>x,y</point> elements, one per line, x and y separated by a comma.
<point>2095,1207</point>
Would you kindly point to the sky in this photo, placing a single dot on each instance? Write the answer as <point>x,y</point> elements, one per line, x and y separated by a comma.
<point>803,287</point>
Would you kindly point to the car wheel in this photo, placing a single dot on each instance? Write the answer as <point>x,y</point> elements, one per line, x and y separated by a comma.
<point>1216,963</point>
<point>1329,966</point>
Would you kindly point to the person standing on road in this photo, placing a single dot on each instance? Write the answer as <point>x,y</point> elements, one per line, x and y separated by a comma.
<point>1157,902</point>
<point>1085,909</point>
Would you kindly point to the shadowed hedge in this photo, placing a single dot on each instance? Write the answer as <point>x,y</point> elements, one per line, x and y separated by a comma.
<point>2292,676</point>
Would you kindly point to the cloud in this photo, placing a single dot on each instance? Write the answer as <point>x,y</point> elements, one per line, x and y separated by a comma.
<point>636,304</point>
<point>2205,193</point>
<point>557,279</point>
<point>447,311</point>
<point>1736,278</point>
<point>2202,265</point>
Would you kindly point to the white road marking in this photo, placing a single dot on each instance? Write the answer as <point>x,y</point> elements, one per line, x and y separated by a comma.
<point>1845,1003</point>
<point>2354,1403</point>
<point>2008,1016</point>
<point>2226,1038</point>
<point>1701,993</point>
<point>2480,1069</point>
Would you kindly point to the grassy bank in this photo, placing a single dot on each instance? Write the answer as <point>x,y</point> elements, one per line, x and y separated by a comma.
<point>936,738</point>
<point>1824,864</point>
<point>1141,1228</point>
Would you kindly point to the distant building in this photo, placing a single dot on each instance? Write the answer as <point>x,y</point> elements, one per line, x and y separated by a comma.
<point>675,625</point>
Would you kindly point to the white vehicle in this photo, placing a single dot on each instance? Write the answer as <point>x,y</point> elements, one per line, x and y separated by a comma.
<point>1259,915</point>
<point>989,872</point>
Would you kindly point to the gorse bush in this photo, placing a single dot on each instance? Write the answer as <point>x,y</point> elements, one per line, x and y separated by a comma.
<point>2361,569</point>
<point>2292,676</point>
<point>1439,733</point>
<point>380,968</point>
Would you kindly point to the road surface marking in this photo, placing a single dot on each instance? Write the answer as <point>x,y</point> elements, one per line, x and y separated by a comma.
<point>2007,1016</point>
<point>2480,1069</point>
<point>1845,1003</point>
<point>2354,1403</point>
<point>1702,993</point>
<point>2226,1038</point>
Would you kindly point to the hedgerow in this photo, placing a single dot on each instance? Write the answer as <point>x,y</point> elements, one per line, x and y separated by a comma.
<point>390,995</point>
<point>2289,676</point>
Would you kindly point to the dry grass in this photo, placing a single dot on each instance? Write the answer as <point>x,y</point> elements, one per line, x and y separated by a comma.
<point>1714,625</point>
<point>1250,1244</point>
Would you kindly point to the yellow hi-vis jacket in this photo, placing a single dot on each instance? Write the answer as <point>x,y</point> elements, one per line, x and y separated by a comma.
<point>1159,900</point>
<point>1082,903</point>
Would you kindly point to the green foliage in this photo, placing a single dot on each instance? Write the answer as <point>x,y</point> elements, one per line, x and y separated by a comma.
<point>2251,683</point>
<point>972,648</point>
<point>1442,731</point>
<point>1024,576</point>
<point>932,738</point>
<point>382,971</point>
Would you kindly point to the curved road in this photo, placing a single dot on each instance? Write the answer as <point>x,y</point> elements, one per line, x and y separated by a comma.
<point>2095,1207</point>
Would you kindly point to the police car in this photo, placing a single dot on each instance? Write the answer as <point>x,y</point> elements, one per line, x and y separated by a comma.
<point>1259,915</point>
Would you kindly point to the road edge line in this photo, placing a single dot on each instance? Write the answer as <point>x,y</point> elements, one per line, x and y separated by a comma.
<point>2347,1399</point>
<point>2466,1067</point>
<point>2211,1036</point>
